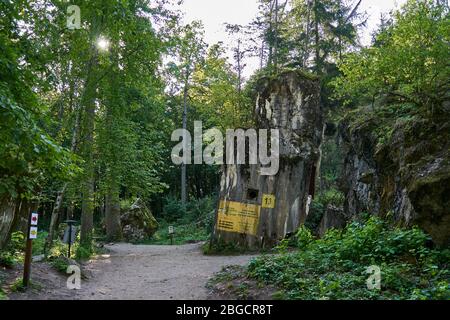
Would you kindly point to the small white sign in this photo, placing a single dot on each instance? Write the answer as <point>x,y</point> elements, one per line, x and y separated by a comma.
<point>171,231</point>
<point>34,219</point>
<point>33,232</point>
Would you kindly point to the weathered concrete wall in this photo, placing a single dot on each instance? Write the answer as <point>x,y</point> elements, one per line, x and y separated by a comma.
<point>290,103</point>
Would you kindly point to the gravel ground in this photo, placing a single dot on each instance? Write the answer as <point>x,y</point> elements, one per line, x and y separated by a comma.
<point>142,272</point>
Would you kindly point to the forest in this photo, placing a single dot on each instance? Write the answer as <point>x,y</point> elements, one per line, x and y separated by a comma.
<point>91,93</point>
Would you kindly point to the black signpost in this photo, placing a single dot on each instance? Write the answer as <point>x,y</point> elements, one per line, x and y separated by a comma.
<point>69,235</point>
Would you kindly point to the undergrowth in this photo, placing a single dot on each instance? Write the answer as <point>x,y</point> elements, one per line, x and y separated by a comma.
<point>191,223</point>
<point>14,251</point>
<point>334,267</point>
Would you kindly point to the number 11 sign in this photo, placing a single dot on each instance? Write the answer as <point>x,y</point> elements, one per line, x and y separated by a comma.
<point>268,201</point>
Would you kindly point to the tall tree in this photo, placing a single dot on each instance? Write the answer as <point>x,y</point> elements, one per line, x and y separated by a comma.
<point>214,94</point>
<point>128,83</point>
<point>99,60</point>
<point>30,157</point>
<point>308,33</point>
<point>393,67</point>
<point>189,53</point>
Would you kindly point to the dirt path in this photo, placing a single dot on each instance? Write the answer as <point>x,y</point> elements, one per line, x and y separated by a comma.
<point>143,272</point>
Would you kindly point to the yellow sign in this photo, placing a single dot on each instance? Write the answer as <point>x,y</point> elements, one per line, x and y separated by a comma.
<point>33,233</point>
<point>238,217</point>
<point>268,201</point>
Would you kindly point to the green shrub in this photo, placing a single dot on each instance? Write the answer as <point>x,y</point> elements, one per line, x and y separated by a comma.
<point>60,263</point>
<point>319,205</point>
<point>315,215</point>
<point>14,251</point>
<point>192,222</point>
<point>184,233</point>
<point>2,294</point>
<point>304,237</point>
<point>334,267</point>
<point>39,243</point>
<point>84,252</point>
<point>7,259</point>
<point>194,210</point>
<point>373,241</point>
<point>173,210</point>
<point>283,246</point>
<point>333,197</point>
<point>17,285</point>
<point>58,249</point>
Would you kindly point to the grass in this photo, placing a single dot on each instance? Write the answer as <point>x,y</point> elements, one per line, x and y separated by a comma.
<point>60,264</point>
<point>56,256</point>
<point>14,252</point>
<point>184,233</point>
<point>226,274</point>
<point>2,295</point>
<point>17,285</point>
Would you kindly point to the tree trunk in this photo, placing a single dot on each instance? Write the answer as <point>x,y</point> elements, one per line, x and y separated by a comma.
<point>23,210</point>
<point>88,184</point>
<point>112,214</point>
<point>307,37</point>
<point>183,165</point>
<point>87,211</point>
<point>261,58</point>
<point>54,217</point>
<point>317,37</point>
<point>60,197</point>
<point>14,217</point>
<point>275,50</point>
<point>7,212</point>
<point>88,187</point>
<point>239,70</point>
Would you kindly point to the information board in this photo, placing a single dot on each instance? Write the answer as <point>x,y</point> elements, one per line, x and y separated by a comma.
<point>238,217</point>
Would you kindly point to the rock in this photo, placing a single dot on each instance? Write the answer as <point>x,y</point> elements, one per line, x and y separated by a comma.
<point>407,174</point>
<point>257,210</point>
<point>332,218</point>
<point>38,258</point>
<point>133,234</point>
<point>138,222</point>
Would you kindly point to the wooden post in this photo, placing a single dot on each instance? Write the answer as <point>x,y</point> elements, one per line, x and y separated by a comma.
<point>28,253</point>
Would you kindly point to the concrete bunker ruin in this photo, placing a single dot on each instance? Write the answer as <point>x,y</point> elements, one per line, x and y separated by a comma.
<point>254,210</point>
